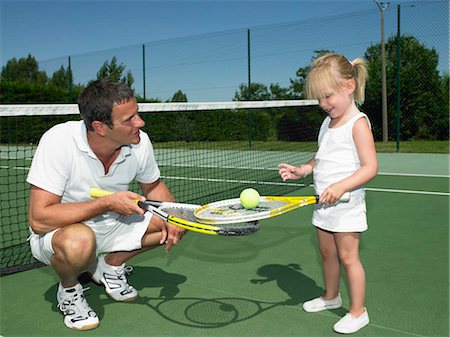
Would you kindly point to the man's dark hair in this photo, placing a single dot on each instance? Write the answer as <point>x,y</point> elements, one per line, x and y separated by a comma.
<point>97,100</point>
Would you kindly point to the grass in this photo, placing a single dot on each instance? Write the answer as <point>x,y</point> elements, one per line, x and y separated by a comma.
<point>415,146</point>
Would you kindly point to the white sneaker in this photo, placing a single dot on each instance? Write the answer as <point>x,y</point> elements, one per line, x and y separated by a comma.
<point>351,324</point>
<point>114,280</point>
<point>319,304</point>
<point>78,315</point>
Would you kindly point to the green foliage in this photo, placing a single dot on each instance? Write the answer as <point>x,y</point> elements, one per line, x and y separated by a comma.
<point>62,78</point>
<point>424,101</point>
<point>307,120</point>
<point>179,96</point>
<point>32,127</point>
<point>208,126</point>
<point>115,72</point>
<point>24,70</point>
<point>19,92</point>
<point>22,82</point>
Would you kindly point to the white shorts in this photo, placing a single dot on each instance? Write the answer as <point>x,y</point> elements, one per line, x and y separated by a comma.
<point>124,235</point>
<point>342,217</point>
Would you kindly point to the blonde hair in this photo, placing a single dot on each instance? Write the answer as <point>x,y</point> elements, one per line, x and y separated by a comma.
<point>329,72</point>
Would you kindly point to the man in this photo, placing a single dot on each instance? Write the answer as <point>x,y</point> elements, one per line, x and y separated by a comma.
<point>74,233</point>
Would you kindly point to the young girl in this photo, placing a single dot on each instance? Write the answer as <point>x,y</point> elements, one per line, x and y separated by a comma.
<point>345,161</point>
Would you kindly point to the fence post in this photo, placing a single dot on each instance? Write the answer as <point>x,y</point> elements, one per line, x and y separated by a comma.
<point>143,70</point>
<point>398,77</point>
<point>249,93</point>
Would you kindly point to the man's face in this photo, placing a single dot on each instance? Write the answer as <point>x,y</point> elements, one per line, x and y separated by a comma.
<point>126,123</point>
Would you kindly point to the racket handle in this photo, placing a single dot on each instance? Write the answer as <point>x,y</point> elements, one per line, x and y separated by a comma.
<point>345,197</point>
<point>98,192</point>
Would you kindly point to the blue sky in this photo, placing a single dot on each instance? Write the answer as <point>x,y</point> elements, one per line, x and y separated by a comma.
<point>49,29</point>
<point>52,29</point>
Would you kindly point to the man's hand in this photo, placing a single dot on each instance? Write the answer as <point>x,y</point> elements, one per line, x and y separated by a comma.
<point>174,235</point>
<point>123,203</point>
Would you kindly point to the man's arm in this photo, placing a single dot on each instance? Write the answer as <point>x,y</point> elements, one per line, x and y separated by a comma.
<point>157,190</point>
<point>47,213</point>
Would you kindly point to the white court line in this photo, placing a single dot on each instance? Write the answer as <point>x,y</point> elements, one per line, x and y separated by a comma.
<point>300,185</point>
<point>401,174</point>
<point>414,175</point>
<point>18,168</point>
<point>235,181</point>
<point>406,191</point>
<point>254,182</point>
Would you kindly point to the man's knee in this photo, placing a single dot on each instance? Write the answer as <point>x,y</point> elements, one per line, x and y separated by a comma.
<point>75,240</point>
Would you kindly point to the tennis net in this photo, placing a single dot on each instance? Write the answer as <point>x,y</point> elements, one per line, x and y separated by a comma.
<point>206,152</point>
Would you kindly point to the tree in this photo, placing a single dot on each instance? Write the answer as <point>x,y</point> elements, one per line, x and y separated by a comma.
<point>23,82</point>
<point>260,92</point>
<point>114,71</point>
<point>179,96</point>
<point>421,90</point>
<point>24,70</point>
<point>62,78</point>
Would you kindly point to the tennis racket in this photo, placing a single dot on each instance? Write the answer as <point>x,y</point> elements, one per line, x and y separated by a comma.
<point>231,210</point>
<point>182,215</point>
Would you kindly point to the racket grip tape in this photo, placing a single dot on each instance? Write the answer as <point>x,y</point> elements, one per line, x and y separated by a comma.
<point>98,192</point>
<point>344,198</point>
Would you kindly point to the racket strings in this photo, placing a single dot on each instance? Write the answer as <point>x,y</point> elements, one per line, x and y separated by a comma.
<point>187,213</point>
<point>235,210</point>
<point>182,213</point>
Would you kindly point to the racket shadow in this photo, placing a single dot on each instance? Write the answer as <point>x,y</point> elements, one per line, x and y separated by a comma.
<point>207,313</point>
<point>216,312</point>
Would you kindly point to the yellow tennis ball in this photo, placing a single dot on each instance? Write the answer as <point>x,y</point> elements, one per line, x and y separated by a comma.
<point>249,198</point>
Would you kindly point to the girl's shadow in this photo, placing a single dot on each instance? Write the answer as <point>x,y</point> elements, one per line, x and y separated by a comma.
<point>289,278</point>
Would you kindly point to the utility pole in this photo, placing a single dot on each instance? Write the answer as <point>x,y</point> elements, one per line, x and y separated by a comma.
<point>382,6</point>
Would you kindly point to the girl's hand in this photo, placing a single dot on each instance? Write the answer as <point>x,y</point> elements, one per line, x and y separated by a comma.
<point>331,194</point>
<point>287,171</point>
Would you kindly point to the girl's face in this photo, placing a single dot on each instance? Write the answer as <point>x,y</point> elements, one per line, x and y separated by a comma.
<point>337,103</point>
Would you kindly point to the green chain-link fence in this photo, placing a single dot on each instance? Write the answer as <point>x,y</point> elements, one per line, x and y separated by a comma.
<point>268,60</point>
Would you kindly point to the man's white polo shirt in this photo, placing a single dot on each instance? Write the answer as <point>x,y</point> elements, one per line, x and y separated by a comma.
<point>65,165</point>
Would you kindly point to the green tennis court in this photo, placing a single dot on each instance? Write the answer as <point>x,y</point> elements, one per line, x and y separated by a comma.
<point>255,285</point>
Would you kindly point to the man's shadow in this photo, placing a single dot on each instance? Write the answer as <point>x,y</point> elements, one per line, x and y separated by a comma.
<point>141,277</point>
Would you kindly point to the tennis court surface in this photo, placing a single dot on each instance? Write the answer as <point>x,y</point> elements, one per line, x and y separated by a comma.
<point>255,285</point>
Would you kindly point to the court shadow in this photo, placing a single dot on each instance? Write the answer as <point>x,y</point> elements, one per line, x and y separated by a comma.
<point>289,278</point>
<point>140,278</point>
<point>153,277</point>
<point>206,313</point>
<point>298,287</point>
